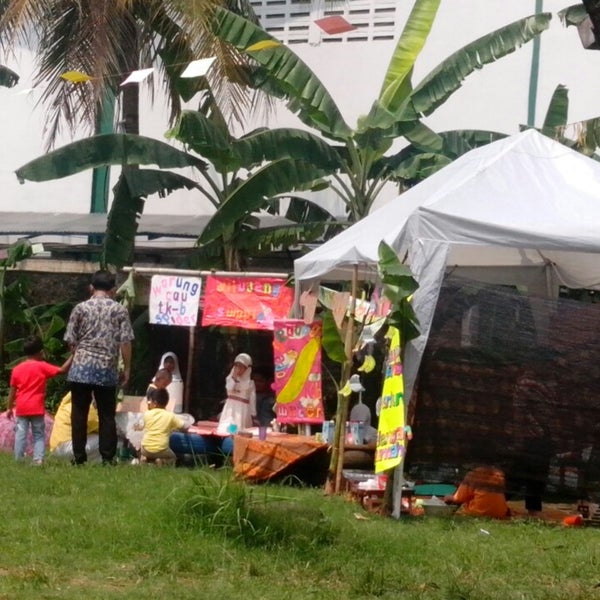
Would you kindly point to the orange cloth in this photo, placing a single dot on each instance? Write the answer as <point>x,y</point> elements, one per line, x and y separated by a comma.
<point>481,494</point>
<point>261,460</point>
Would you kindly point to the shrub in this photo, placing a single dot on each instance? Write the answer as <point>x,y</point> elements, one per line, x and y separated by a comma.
<point>249,515</point>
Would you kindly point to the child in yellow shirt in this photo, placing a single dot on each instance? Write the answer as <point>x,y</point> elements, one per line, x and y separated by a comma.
<point>158,425</point>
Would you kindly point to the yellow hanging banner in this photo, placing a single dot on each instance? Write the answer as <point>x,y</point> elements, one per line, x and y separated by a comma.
<point>76,77</point>
<point>263,45</point>
<point>391,445</point>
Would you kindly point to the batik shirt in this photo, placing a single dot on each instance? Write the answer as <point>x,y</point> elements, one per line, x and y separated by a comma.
<point>97,328</point>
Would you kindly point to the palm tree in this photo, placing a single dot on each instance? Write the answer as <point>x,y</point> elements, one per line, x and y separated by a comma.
<point>107,39</point>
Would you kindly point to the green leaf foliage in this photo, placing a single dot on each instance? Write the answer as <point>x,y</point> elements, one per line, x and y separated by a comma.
<point>412,164</point>
<point>332,340</point>
<point>208,138</point>
<point>102,150</point>
<point>398,287</point>
<point>122,224</point>
<point>307,96</point>
<point>573,15</point>
<point>299,209</point>
<point>410,44</point>
<point>557,114</point>
<point>448,76</point>
<point>277,177</point>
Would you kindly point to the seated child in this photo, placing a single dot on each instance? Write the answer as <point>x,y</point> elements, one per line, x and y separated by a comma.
<point>481,494</point>
<point>158,425</point>
<point>265,397</point>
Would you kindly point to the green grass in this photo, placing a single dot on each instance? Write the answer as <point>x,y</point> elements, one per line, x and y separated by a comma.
<point>147,532</point>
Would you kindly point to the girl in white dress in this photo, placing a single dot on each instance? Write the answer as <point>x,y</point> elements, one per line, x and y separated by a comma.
<point>240,405</point>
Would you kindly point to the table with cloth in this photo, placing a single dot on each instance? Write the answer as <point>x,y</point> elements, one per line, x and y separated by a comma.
<point>279,456</point>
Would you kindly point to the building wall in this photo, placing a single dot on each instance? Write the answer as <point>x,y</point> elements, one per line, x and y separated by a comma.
<point>494,98</point>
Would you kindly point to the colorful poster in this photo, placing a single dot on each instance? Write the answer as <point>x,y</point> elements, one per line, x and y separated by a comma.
<point>297,354</point>
<point>391,446</point>
<point>174,300</point>
<point>251,303</point>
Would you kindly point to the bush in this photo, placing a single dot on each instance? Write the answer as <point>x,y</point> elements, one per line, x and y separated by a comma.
<point>249,515</point>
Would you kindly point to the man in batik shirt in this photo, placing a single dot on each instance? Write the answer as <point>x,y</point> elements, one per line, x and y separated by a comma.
<point>97,330</point>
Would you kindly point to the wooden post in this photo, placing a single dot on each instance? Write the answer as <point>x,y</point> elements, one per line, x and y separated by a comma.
<point>343,402</point>
<point>189,369</point>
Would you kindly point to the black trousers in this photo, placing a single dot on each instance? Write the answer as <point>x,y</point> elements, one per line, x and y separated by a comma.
<point>106,402</point>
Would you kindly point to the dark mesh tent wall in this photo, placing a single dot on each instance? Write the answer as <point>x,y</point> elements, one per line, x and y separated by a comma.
<point>512,380</point>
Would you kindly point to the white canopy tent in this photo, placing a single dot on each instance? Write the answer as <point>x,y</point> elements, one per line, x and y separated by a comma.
<point>524,209</point>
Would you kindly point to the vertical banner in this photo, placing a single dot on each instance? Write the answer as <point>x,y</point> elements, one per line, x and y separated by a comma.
<point>251,303</point>
<point>174,300</point>
<point>297,354</point>
<point>390,434</point>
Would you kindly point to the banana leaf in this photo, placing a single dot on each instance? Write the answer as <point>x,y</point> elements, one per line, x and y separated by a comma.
<point>448,76</point>
<point>103,150</point>
<point>299,210</point>
<point>557,114</point>
<point>209,139</point>
<point>133,186</point>
<point>412,164</point>
<point>267,239</point>
<point>278,177</point>
<point>573,15</point>
<point>307,96</point>
<point>410,44</point>
<point>332,340</point>
<point>121,225</point>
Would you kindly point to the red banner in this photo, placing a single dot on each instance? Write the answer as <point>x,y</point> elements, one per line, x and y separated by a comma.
<point>251,303</point>
<point>297,354</point>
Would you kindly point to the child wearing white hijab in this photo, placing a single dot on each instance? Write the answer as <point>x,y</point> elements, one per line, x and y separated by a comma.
<point>170,362</point>
<point>240,405</point>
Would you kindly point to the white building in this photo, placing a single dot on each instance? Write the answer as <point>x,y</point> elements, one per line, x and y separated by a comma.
<point>352,66</point>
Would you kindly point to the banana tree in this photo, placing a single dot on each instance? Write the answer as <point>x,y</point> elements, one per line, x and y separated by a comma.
<point>583,136</point>
<point>412,164</point>
<point>248,174</point>
<point>396,112</point>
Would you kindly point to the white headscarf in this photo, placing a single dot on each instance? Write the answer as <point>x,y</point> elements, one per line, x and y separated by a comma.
<point>176,372</point>
<point>242,384</point>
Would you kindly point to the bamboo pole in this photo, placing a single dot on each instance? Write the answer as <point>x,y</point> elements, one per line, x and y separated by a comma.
<point>343,401</point>
<point>169,271</point>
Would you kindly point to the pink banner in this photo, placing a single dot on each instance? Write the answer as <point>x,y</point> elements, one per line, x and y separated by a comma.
<point>297,354</point>
<point>251,303</point>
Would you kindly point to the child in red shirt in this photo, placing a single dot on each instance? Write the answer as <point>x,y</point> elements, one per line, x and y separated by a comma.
<point>27,394</point>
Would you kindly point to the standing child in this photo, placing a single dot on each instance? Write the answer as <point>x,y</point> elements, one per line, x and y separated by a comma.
<point>26,395</point>
<point>265,397</point>
<point>240,405</point>
<point>158,426</point>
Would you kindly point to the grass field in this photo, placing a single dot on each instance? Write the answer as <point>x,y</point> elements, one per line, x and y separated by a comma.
<point>146,532</point>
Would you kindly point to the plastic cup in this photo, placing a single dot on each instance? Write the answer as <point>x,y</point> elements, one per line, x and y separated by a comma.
<point>262,433</point>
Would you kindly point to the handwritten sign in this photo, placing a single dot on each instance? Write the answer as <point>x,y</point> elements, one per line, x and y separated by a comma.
<point>251,303</point>
<point>174,300</point>
<point>391,442</point>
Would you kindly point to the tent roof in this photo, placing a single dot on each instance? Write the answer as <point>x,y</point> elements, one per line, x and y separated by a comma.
<point>522,200</point>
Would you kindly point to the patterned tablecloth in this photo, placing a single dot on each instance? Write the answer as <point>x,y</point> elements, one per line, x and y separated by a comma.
<point>278,455</point>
